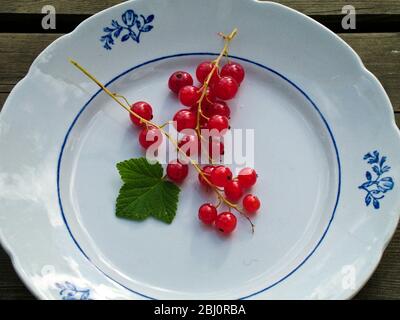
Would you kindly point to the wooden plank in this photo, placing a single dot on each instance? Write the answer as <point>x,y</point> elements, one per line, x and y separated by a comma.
<point>310,7</point>
<point>318,7</point>
<point>3,97</point>
<point>397,117</point>
<point>11,287</point>
<point>18,52</point>
<point>61,6</point>
<point>380,53</point>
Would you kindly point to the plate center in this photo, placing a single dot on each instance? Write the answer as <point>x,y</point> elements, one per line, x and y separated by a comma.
<point>298,183</point>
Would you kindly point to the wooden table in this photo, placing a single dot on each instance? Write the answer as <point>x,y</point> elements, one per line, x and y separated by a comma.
<point>376,40</point>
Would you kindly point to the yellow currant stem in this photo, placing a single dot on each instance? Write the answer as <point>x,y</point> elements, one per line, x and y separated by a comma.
<point>115,96</point>
<point>205,86</point>
<point>122,97</point>
<point>204,116</point>
<point>234,206</point>
<point>165,124</point>
<point>112,95</point>
<point>219,203</point>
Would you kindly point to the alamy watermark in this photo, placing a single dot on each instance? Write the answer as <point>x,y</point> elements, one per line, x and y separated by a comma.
<point>233,146</point>
<point>349,20</point>
<point>49,20</point>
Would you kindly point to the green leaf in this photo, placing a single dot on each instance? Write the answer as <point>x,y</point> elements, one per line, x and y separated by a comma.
<point>145,193</point>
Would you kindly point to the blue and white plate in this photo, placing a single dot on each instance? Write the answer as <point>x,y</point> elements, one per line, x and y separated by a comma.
<point>326,150</point>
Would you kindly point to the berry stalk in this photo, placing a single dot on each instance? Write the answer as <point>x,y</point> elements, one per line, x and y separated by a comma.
<point>161,127</point>
<point>216,62</point>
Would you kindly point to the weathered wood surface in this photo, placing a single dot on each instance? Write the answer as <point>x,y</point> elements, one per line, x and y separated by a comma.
<point>11,287</point>
<point>381,55</point>
<point>310,7</point>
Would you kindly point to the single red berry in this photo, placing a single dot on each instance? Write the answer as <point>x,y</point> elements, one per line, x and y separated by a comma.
<point>204,69</point>
<point>207,173</point>
<point>226,88</point>
<point>219,108</point>
<point>233,191</point>
<point>149,136</point>
<point>220,176</point>
<point>189,95</point>
<point>190,145</point>
<point>142,109</point>
<point>204,125</point>
<point>178,80</point>
<point>207,213</point>
<point>234,70</point>
<point>217,122</point>
<point>226,222</point>
<point>247,177</point>
<point>185,119</point>
<point>177,171</point>
<point>204,108</point>
<point>251,203</point>
<point>206,103</point>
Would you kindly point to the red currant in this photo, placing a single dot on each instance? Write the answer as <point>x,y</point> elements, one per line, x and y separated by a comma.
<point>204,124</point>
<point>149,136</point>
<point>226,88</point>
<point>204,69</point>
<point>189,95</point>
<point>204,109</point>
<point>207,173</point>
<point>217,122</point>
<point>178,80</point>
<point>234,70</point>
<point>185,119</point>
<point>203,120</point>
<point>207,213</point>
<point>219,108</point>
<point>220,176</point>
<point>247,177</point>
<point>177,171</point>
<point>233,191</point>
<point>142,109</point>
<point>251,203</point>
<point>206,103</point>
<point>226,222</point>
<point>190,145</point>
<point>210,97</point>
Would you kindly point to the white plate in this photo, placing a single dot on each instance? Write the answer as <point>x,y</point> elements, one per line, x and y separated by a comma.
<point>316,112</point>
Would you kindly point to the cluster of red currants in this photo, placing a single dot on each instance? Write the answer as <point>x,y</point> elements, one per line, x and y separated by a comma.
<point>206,110</point>
<point>221,176</point>
<point>222,86</point>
